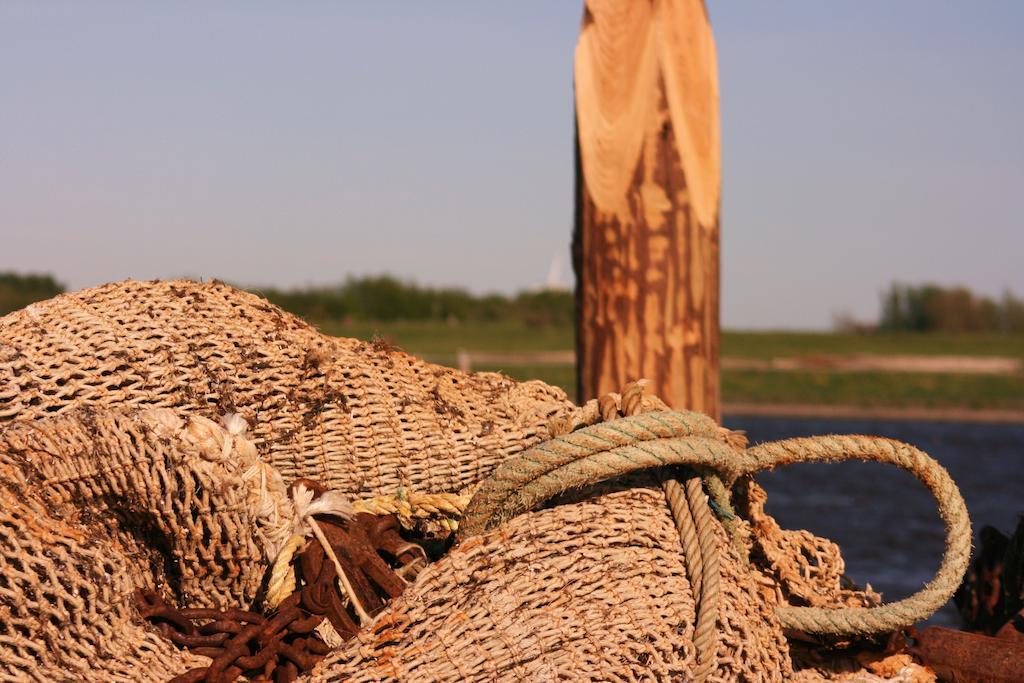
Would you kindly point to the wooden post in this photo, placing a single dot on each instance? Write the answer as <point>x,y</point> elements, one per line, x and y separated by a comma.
<point>646,239</point>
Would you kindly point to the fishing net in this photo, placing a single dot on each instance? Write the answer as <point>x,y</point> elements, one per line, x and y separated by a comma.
<point>359,417</point>
<point>148,436</point>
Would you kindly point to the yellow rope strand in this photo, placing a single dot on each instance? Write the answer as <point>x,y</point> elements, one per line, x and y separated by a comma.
<point>282,577</point>
<point>411,506</point>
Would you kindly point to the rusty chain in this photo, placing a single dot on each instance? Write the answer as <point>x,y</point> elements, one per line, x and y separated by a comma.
<point>378,563</point>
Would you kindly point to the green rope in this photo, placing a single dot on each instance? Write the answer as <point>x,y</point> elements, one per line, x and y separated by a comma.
<point>659,439</point>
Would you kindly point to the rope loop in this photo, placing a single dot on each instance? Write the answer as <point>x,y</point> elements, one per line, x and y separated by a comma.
<point>658,439</point>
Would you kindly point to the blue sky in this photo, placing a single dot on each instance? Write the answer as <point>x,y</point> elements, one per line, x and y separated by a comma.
<point>297,143</point>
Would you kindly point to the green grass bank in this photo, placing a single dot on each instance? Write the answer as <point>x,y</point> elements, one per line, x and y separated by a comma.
<point>440,343</point>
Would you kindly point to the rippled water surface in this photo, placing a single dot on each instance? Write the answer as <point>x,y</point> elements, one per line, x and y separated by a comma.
<point>883,519</point>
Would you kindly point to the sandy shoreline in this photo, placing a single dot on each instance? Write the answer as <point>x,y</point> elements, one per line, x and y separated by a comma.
<point>879,413</point>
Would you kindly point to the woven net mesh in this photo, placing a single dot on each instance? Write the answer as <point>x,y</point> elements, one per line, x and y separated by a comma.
<point>359,417</point>
<point>115,475</point>
<point>801,568</point>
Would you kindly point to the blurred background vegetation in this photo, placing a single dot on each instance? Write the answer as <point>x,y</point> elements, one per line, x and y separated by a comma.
<point>534,331</point>
<point>387,299</point>
<point>18,291</point>
<point>930,308</point>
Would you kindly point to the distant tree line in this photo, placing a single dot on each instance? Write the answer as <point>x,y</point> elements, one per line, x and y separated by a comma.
<point>931,308</point>
<point>383,298</point>
<point>18,291</point>
<point>905,308</point>
<point>387,298</point>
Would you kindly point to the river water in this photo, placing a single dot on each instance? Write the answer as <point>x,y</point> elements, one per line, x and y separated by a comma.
<point>883,519</point>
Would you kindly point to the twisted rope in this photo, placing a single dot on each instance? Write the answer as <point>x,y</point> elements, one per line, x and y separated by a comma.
<point>411,506</point>
<point>694,522</point>
<point>951,507</point>
<point>282,580</point>
<point>666,438</point>
<point>596,453</point>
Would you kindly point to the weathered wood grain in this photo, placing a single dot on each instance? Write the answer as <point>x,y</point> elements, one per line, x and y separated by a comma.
<point>646,242</point>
